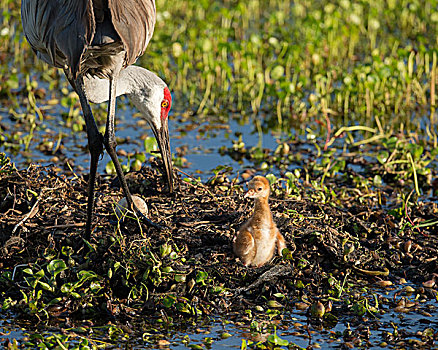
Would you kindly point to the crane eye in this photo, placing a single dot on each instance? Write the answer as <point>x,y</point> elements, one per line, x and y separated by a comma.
<point>164,104</point>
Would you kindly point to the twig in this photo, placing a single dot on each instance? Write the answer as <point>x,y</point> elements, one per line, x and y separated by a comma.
<point>79,224</point>
<point>30,214</point>
<point>197,182</point>
<point>385,272</point>
<point>276,271</point>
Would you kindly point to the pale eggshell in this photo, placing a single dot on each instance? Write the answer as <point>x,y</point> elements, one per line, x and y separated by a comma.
<point>122,206</point>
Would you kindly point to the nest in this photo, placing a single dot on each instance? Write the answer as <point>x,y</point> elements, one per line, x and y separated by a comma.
<point>191,257</point>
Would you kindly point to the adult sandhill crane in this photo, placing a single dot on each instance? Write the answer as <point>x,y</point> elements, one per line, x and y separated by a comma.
<point>95,42</point>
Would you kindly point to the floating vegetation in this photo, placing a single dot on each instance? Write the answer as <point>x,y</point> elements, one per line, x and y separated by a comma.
<point>338,253</point>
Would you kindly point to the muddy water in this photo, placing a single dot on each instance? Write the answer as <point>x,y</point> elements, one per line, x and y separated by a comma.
<point>217,333</point>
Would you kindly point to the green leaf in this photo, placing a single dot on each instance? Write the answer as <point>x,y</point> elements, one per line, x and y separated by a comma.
<point>150,144</point>
<point>180,278</point>
<point>46,286</point>
<point>201,276</point>
<point>382,157</point>
<point>110,168</point>
<point>66,287</point>
<point>40,273</point>
<point>377,181</point>
<point>276,340</point>
<point>169,300</point>
<point>277,72</point>
<point>56,266</point>
<point>167,269</point>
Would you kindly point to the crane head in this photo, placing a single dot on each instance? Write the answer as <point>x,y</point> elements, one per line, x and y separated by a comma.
<point>150,95</point>
<point>156,111</point>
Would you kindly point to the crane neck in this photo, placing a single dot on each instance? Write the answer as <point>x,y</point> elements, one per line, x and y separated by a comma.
<point>136,82</point>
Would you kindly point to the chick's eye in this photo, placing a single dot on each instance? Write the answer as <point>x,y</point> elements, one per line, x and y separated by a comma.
<point>164,104</point>
<point>259,189</point>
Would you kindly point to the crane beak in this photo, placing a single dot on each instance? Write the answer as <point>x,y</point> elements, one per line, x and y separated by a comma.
<point>162,136</point>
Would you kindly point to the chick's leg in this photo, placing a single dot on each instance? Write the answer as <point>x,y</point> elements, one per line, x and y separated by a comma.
<point>281,244</point>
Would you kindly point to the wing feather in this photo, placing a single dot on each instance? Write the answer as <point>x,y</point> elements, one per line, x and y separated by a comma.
<point>134,21</point>
<point>59,31</point>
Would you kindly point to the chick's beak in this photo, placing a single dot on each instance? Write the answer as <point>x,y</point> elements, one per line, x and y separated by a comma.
<point>162,136</point>
<point>250,193</point>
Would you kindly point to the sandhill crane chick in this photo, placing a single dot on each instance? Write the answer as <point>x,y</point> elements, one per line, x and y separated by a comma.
<point>257,239</point>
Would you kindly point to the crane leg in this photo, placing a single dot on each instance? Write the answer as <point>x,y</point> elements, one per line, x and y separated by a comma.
<point>109,141</point>
<point>95,145</point>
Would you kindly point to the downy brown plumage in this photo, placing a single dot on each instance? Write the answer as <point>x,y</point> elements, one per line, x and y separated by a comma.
<point>256,240</point>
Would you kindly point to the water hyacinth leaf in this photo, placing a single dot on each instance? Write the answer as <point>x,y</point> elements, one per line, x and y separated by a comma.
<point>67,287</point>
<point>46,286</point>
<point>136,165</point>
<point>276,340</point>
<point>95,287</point>
<point>54,301</point>
<point>28,271</point>
<point>377,180</point>
<point>7,303</point>
<point>286,253</point>
<point>390,143</point>
<point>359,309</point>
<point>279,295</point>
<point>167,269</point>
<point>150,145</point>
<point>56,266</point>
<point>173,255</point>
<point>299,284</point>
<point>165,250</point>
<point>217,289</point>
<point>140,156</point>
<point>84,275</point>
<point>277,72</point>
<point>201,276</point>
<point>66,250</point>
<point>169,300</point>
<point>382,157</point>
<point>183,307</point>
<point>180,278</point>
<point>110,168</point>
<point>274,304</point>
<point>271,178</point>
<point>40,273</point>
<point>226,335</point>
<point>208,340</point>
<point>415,150</point>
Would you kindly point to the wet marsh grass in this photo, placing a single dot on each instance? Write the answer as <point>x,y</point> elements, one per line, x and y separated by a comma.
<point>286,63</point>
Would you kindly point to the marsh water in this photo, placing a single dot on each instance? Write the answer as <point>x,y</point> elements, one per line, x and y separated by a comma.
<point>231,332</point>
